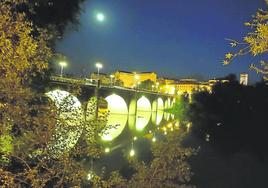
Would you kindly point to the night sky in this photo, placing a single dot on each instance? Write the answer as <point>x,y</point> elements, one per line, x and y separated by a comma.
<point>175,38</point>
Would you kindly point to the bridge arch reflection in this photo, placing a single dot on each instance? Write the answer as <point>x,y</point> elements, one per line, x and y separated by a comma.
<point>117,118</point>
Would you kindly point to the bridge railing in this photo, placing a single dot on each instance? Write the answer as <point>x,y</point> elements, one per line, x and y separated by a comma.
<point>90,82</point>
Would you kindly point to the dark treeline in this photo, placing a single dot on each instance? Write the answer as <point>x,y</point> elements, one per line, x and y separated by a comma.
<point>230,126</point>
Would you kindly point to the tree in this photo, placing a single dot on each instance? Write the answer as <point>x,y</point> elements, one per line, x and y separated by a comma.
<point>181,108</point>
<point>119,82</point>
<point>51,15</point>
<point>37,130</point>
<point>146,84</point>
<point>254,43</point>
<point>28,120</point>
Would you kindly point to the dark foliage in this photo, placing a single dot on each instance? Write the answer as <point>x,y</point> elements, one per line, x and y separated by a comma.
<point>234,117</point>
<point>53,15</point>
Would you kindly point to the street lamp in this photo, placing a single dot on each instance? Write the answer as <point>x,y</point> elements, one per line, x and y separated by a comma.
<point>62,65</point>
<point>99,66</point>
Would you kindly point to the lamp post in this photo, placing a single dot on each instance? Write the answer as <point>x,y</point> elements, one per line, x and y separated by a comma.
<point>99,66</point>
<point>62,65</point>
<point>136,77</point>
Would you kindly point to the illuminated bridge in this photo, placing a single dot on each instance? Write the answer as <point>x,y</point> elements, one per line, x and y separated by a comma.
<point>137,107</point>
<point>120,99</point>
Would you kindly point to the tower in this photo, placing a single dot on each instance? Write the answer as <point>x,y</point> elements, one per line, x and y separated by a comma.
<point>244,79</point>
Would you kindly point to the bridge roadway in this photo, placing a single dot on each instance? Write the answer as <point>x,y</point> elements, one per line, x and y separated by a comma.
<point>120,100</point>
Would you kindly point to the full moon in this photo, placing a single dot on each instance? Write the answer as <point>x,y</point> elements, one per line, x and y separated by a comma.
<point>100,17</point>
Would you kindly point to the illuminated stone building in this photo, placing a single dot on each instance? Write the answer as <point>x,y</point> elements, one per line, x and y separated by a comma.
<point>131,79</point>
<point>187,86</point>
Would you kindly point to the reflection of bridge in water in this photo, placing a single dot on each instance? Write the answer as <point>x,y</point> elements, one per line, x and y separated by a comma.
<point>126,106</point>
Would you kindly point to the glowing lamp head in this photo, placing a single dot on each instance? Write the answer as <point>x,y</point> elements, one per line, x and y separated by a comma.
<point>154,139</point>
<point>99,65</point>
<point>137,77</point>
<point>111,76</point>
<point>100,17</point>
<point>63,63</point>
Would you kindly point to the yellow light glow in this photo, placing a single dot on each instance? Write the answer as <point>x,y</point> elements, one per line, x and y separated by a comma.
<point>154,139</point>
<point>137,77</point>
<point>63,63</point>
<point>169,125</point>
<point>90,176</point>
<point>132,152</point>
<point>165,133</point>
<point>98,65</point>
<point>135,138</point>
<point>142,120</point>
<point>107,150</point>
<point>118,121</point>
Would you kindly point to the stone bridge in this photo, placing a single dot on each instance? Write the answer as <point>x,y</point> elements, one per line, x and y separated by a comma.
<point>137,107</point>
<point>120,100</point>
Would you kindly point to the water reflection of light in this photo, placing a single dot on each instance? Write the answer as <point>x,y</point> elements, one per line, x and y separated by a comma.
<point>70,121</point>
<point>132,152</point>
<point>160,104</point>
<point>142,120</point>
<point>154,113</point>
<point>166,116</point>
<point>118,123</point>
<point>167,103</point>
<point>159,116</point>
<point>107,150</point>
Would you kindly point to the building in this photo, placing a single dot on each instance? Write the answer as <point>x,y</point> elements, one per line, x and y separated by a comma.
<point>132,79</point>
<point>244,79</point>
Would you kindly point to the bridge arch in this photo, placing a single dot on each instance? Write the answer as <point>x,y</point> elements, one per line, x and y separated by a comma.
<point>116,104</point>
<point>70,114</point>
<point>143,104</point>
